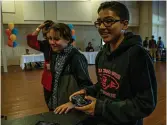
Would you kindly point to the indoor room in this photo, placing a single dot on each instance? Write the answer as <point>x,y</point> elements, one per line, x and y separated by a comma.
<point>52,49</point>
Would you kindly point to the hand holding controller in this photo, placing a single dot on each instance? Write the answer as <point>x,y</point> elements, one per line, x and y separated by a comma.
<point>83,103</point>
<point>79,100</point>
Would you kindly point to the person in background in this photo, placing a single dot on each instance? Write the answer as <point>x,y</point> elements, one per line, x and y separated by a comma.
<point>69,67</point>
<point>126,91</point>
<point>152,48</point>
<point>44,47</point>
<point>160,47</point>
<point>145,43</point>
<point>89,48</point>
<point>27,52</point>
<point>28,65</point>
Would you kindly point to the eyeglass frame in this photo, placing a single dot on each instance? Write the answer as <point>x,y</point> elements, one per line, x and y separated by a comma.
<point>102,21</point>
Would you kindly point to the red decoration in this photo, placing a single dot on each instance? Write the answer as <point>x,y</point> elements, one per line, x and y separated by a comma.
<point>10,43</point>
<point>8,32</point>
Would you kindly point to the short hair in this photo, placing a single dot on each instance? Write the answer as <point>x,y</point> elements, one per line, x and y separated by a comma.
<point>152,36</point>
<point>64,30</point>
<point>159,37</point>
<point>120,9</point>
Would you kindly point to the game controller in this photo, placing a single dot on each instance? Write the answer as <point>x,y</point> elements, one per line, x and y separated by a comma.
<point>79,100</point>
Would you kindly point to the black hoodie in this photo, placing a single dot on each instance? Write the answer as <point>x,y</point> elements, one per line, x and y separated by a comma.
<point>126,91</point>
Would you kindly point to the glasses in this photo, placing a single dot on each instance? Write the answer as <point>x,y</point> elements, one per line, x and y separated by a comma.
<point>106,22</point>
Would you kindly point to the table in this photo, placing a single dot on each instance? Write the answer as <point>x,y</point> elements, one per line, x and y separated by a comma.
<point>31,58</point>
<point>72,118</point>
<point>90,56</point>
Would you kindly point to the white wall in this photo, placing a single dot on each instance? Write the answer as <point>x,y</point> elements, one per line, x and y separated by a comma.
<point>83,12</point>
<point>145,28</point>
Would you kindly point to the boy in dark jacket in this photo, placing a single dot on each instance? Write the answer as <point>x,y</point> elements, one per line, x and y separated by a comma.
<point>126,91</point>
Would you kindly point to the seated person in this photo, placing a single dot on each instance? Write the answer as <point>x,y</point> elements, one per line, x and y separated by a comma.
<point>27,52</point>
<point>89,48</point>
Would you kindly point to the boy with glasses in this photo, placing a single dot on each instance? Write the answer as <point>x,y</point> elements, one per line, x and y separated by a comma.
<point>126,91</point>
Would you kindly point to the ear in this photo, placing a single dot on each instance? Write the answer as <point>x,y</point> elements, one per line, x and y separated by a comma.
<point>125,25</point>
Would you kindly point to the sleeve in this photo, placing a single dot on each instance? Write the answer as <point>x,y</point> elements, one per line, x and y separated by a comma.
<point>36,44</point>
<point>142,104</point>
<point>80,69</point>
<point>94,89</point>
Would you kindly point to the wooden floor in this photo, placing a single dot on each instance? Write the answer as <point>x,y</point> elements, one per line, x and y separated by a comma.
<point>22,93</point>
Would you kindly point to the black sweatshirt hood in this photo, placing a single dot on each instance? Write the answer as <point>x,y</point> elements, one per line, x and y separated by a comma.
<point>129,41</point>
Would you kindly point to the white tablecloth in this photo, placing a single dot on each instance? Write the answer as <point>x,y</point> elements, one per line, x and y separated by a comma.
<point>90,56</point>
<point>31,58</point>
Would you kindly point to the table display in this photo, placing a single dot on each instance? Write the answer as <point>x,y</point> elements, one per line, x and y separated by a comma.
<point>31,58</point>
